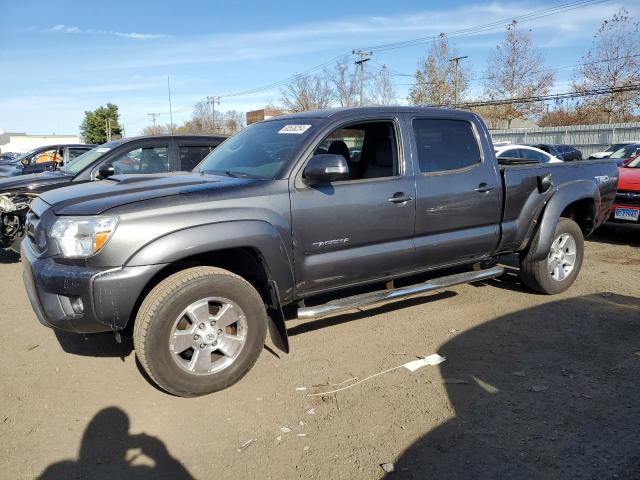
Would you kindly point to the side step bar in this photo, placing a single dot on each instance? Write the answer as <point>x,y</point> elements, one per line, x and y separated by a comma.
<point>349,303</point>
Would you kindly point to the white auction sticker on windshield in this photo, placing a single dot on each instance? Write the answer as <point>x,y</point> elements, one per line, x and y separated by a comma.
<point>295,129</point>
<point>102,149</point>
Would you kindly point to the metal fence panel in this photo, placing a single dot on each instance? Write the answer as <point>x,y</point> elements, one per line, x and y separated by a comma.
<point>587,138</point>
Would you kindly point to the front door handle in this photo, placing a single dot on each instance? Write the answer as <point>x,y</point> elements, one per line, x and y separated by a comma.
<point>484,188</point>
<point>400,197</point>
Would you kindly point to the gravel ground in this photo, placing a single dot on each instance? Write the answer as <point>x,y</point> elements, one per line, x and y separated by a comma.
<point>532,387</point>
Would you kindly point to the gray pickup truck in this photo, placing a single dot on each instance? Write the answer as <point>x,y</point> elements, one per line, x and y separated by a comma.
<point>200,265</point>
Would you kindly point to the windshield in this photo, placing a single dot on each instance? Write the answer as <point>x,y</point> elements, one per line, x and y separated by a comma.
<point>615,146</point>
<point>25,155</point>
<point>259,151</point>
<point>83,161</point>
<point>634,163</point>
<point>626,152</point>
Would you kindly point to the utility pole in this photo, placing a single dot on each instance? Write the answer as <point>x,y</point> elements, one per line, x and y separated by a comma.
<point>213,101</point>
<point>363,57</point>
<point>107,124</point>
<point>456,60</point>
<point>153,116</point>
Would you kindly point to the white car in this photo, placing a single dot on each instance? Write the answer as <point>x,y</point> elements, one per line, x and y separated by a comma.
<point>524,152</point>
<point>612,148</point>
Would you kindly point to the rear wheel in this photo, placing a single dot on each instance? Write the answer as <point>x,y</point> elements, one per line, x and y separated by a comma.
<point>199,331</point>
<point>559,270</point>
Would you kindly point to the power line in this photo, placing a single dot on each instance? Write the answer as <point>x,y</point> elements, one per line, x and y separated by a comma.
<point>544,98</point>
<point>536,15</point>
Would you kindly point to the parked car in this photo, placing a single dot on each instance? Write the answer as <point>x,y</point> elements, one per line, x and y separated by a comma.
<point>626,207</point>
<point>8,156</point>
<point>42,159</point>
<point>139,155</point>
<point>523,152</point>
<point>195,264</point>
<point>566,153</point>
<point>610,149</point>
<point>625,154</point>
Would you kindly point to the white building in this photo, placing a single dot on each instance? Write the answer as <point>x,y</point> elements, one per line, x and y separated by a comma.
<point>21,142</point>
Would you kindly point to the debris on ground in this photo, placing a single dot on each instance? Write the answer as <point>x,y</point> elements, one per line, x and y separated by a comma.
<point>311,411</point>
<point>412,366</point>
<point>487,387</point>
<point>387,467</point>
<point>519,373</point>
<point>285,429</point>
<point>301,435</point>
<point>306,448</point>
<point>279,438</point>
<point>32,347</point>
<point>247,444</point>
<point>539,388</point>
<point>300,389</point>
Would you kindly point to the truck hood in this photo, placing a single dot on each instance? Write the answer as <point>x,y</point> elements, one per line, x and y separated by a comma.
<point>93,198</point>
<point>629,179</point>
<point>33,181</point>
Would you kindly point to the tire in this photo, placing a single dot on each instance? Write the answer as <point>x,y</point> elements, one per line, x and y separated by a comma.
<point>169,316</point>
<point>540,276</point>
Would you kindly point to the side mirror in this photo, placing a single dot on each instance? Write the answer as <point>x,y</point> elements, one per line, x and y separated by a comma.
<point>326,168</point>
<point>106,171</point>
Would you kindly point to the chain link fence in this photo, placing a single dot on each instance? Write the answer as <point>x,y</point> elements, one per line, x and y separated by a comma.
<point>586,138</point>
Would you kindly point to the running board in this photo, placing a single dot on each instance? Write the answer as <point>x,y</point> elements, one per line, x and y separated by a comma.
<point>349,303</point>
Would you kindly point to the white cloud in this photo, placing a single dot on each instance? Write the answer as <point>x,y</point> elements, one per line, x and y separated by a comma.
<point>60,28</point>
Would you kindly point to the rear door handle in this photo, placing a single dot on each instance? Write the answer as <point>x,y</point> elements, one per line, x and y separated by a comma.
<point>399,197</point>
<point>484,188</point>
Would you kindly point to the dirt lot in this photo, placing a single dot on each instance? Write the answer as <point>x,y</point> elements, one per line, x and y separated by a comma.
<point>532,387</point>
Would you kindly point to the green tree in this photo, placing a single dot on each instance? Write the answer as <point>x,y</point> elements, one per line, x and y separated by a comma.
<point>96,124</point>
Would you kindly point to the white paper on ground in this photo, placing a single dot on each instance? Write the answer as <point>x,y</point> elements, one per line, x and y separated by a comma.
<point>433,359</point>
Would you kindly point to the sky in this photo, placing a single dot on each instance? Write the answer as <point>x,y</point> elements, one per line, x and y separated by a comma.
<point>60,58</point>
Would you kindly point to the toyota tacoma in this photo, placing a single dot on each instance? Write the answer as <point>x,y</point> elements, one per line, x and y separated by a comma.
<point>199,266</point>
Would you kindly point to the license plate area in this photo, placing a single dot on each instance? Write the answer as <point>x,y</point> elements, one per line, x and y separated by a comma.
<point>629,214</point>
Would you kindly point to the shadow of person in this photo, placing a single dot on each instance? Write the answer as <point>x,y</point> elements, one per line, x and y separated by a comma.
<point>108,451</point>
<point>552,393</point>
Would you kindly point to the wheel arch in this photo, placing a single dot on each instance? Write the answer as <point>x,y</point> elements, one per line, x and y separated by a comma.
<point>252,250</point>
<point>576,200</point>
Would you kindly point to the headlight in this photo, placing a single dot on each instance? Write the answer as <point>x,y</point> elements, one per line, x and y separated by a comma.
<point>82,236</point>
<point>6,204</point>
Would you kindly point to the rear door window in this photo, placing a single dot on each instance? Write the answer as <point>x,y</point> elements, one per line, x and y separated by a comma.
<point>192,155</point>
<point>445,144</point>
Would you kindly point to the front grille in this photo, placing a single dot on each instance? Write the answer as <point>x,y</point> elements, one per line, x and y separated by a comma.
<point>627,198</point>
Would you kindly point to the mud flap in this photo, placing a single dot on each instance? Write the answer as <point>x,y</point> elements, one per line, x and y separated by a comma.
<point>277,326</point>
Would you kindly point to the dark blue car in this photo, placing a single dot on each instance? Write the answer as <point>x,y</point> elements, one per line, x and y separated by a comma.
<point>42,159</point>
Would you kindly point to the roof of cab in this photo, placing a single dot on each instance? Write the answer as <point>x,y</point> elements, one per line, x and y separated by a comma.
<point>354,111</point>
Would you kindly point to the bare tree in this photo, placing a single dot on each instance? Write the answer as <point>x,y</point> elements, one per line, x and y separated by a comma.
<point>381,90</point>
<point>344,81</point>
<point>439,80</point>
<point>201,118</point>
<point>612,62</point>
<point>307,92</point>
<point>233,121</point>
<point>516,70</point>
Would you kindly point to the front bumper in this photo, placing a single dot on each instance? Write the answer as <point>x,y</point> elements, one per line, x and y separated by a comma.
<point>109,296</point>
<point>613,220</point>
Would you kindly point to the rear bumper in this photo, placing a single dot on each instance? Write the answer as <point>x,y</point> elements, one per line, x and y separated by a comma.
<point>109,296</point>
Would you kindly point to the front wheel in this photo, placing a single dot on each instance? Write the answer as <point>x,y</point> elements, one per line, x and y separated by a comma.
<point>559,270</point>
<point>200,331</point>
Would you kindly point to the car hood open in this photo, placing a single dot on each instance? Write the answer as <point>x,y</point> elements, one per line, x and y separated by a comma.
<point>94,198</point>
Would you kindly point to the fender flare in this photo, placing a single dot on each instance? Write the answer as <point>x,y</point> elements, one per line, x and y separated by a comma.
<point>255,234</point>
<point>564,195</point>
